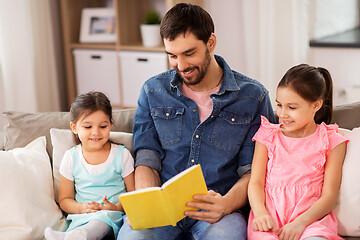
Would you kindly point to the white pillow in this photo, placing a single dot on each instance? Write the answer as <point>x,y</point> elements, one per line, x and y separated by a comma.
<point>64,139</point>
<point>347,210</point>
<point>27,195</point>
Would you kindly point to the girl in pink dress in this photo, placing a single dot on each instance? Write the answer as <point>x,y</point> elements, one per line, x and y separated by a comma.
<point>296,169</point>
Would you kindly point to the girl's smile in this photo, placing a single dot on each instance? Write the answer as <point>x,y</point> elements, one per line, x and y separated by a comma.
<point>295,113</point>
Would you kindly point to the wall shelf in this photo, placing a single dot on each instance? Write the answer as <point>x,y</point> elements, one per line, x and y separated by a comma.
<point>128,17</point>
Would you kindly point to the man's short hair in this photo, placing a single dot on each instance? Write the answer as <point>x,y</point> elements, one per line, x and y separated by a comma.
<point>183,18</point>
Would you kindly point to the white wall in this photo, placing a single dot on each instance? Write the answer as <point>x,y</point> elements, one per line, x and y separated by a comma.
<point>228,30</point>
<point>321,18</point>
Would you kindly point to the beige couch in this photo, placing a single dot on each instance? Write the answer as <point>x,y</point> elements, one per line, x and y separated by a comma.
<point>27,180</point>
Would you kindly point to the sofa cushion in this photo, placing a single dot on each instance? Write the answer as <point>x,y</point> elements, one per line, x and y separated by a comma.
<point>64,139</point>
<point>26,186</point>
<point>21,127</point>
<point>347,209</point>
<point>347,115</point>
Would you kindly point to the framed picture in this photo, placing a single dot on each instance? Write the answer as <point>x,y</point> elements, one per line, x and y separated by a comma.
<point>97,25</point>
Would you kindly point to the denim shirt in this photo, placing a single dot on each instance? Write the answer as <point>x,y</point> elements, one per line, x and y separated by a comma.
<point>169,137</point>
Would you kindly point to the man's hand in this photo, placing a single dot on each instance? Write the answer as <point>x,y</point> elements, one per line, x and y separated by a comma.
<point>213,204</point>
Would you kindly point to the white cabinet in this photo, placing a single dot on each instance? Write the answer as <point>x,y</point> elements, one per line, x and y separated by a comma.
<point>137,67</point>
<point>97,70</point>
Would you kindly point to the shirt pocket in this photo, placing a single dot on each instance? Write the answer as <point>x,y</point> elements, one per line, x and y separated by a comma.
<point>168,121</point>
<point>229,130</point>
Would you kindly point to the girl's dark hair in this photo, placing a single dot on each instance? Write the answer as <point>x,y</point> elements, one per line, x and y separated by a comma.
<point>312,84</point>
<point>185,17</point>
<point>89,103</point>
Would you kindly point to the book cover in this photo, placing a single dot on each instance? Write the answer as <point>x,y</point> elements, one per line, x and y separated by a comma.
<point>165,205</point>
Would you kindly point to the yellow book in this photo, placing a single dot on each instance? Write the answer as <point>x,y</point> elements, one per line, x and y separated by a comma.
<point>165,205</point>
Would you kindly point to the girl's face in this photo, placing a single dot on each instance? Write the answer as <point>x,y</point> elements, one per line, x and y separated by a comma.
<point>93,130</point>
<point>295,113</point>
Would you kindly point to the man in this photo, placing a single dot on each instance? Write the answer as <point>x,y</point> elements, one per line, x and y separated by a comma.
<point>201,112</point>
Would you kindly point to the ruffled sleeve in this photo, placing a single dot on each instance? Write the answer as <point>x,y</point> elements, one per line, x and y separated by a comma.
<point>331,136</point>
<point>265,131</point>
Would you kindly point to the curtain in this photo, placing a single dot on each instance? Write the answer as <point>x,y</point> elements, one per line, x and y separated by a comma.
<point>31,71</point>
<point>262,38</point>
<point>276,36</point>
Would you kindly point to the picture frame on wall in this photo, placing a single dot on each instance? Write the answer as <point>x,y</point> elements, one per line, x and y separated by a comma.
<point>97,25</point>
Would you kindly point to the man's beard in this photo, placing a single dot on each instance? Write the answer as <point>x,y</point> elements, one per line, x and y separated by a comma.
<point>202,70</point>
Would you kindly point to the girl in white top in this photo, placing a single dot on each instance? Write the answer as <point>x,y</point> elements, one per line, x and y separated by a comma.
<point>93,174</point>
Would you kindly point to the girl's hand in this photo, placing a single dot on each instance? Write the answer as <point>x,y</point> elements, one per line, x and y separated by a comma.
<point>90,207</point>
<point>264,223</point>
<point>291,231</point>
<point>108,205</point>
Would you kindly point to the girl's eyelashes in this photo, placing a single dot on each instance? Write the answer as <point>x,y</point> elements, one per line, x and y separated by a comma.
<point>88,127</point>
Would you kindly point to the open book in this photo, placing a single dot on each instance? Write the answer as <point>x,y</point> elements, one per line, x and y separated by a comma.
<point>165,205</point>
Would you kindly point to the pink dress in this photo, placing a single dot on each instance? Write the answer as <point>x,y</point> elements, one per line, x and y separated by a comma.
<point>294,177</point>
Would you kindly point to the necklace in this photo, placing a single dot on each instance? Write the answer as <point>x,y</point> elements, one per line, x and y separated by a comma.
<point>219,81</point>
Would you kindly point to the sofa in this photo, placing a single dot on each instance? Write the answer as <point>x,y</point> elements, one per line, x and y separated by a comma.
<point>32,145</point>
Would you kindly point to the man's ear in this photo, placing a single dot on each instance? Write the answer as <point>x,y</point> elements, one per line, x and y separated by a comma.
<point>211,42</point>
<point>73,127</point>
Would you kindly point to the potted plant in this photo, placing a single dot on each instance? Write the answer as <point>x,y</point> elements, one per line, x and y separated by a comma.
<point>150,29</point>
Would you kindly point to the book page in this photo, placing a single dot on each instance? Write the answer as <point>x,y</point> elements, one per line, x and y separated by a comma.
<point>174,178</point>
<point>146,208</point>
<point>181,190</point>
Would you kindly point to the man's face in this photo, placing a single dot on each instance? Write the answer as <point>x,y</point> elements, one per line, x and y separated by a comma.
<point>189,56</point>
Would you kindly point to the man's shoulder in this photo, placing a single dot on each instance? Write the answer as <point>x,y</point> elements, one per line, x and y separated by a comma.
<point>160,81</point>
<point>166,76</point>
<point>249,85</point>
<point>243,80</point>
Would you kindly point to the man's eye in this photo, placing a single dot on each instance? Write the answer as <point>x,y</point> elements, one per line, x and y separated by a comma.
<point>189,54</point>
<point>279,105</point>
<point>292,108</point>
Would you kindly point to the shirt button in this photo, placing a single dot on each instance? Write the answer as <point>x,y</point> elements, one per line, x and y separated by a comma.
<point>197,136</point>
<point>233,119</point>
<point>192,160</point>
<point>194,110</point>
<point>167,114</point>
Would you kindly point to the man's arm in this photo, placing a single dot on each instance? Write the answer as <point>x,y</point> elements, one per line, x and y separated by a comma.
<point>146,146</point>
<point>146,177</point>
<point>216,205</point>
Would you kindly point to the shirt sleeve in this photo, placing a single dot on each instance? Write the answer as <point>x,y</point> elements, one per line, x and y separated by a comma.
<point>147,145</point>
<point>248,146</point>
<point>335,138</point>
<point>66,166</point>
<point>263,131</point>
<point>127,163</point>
